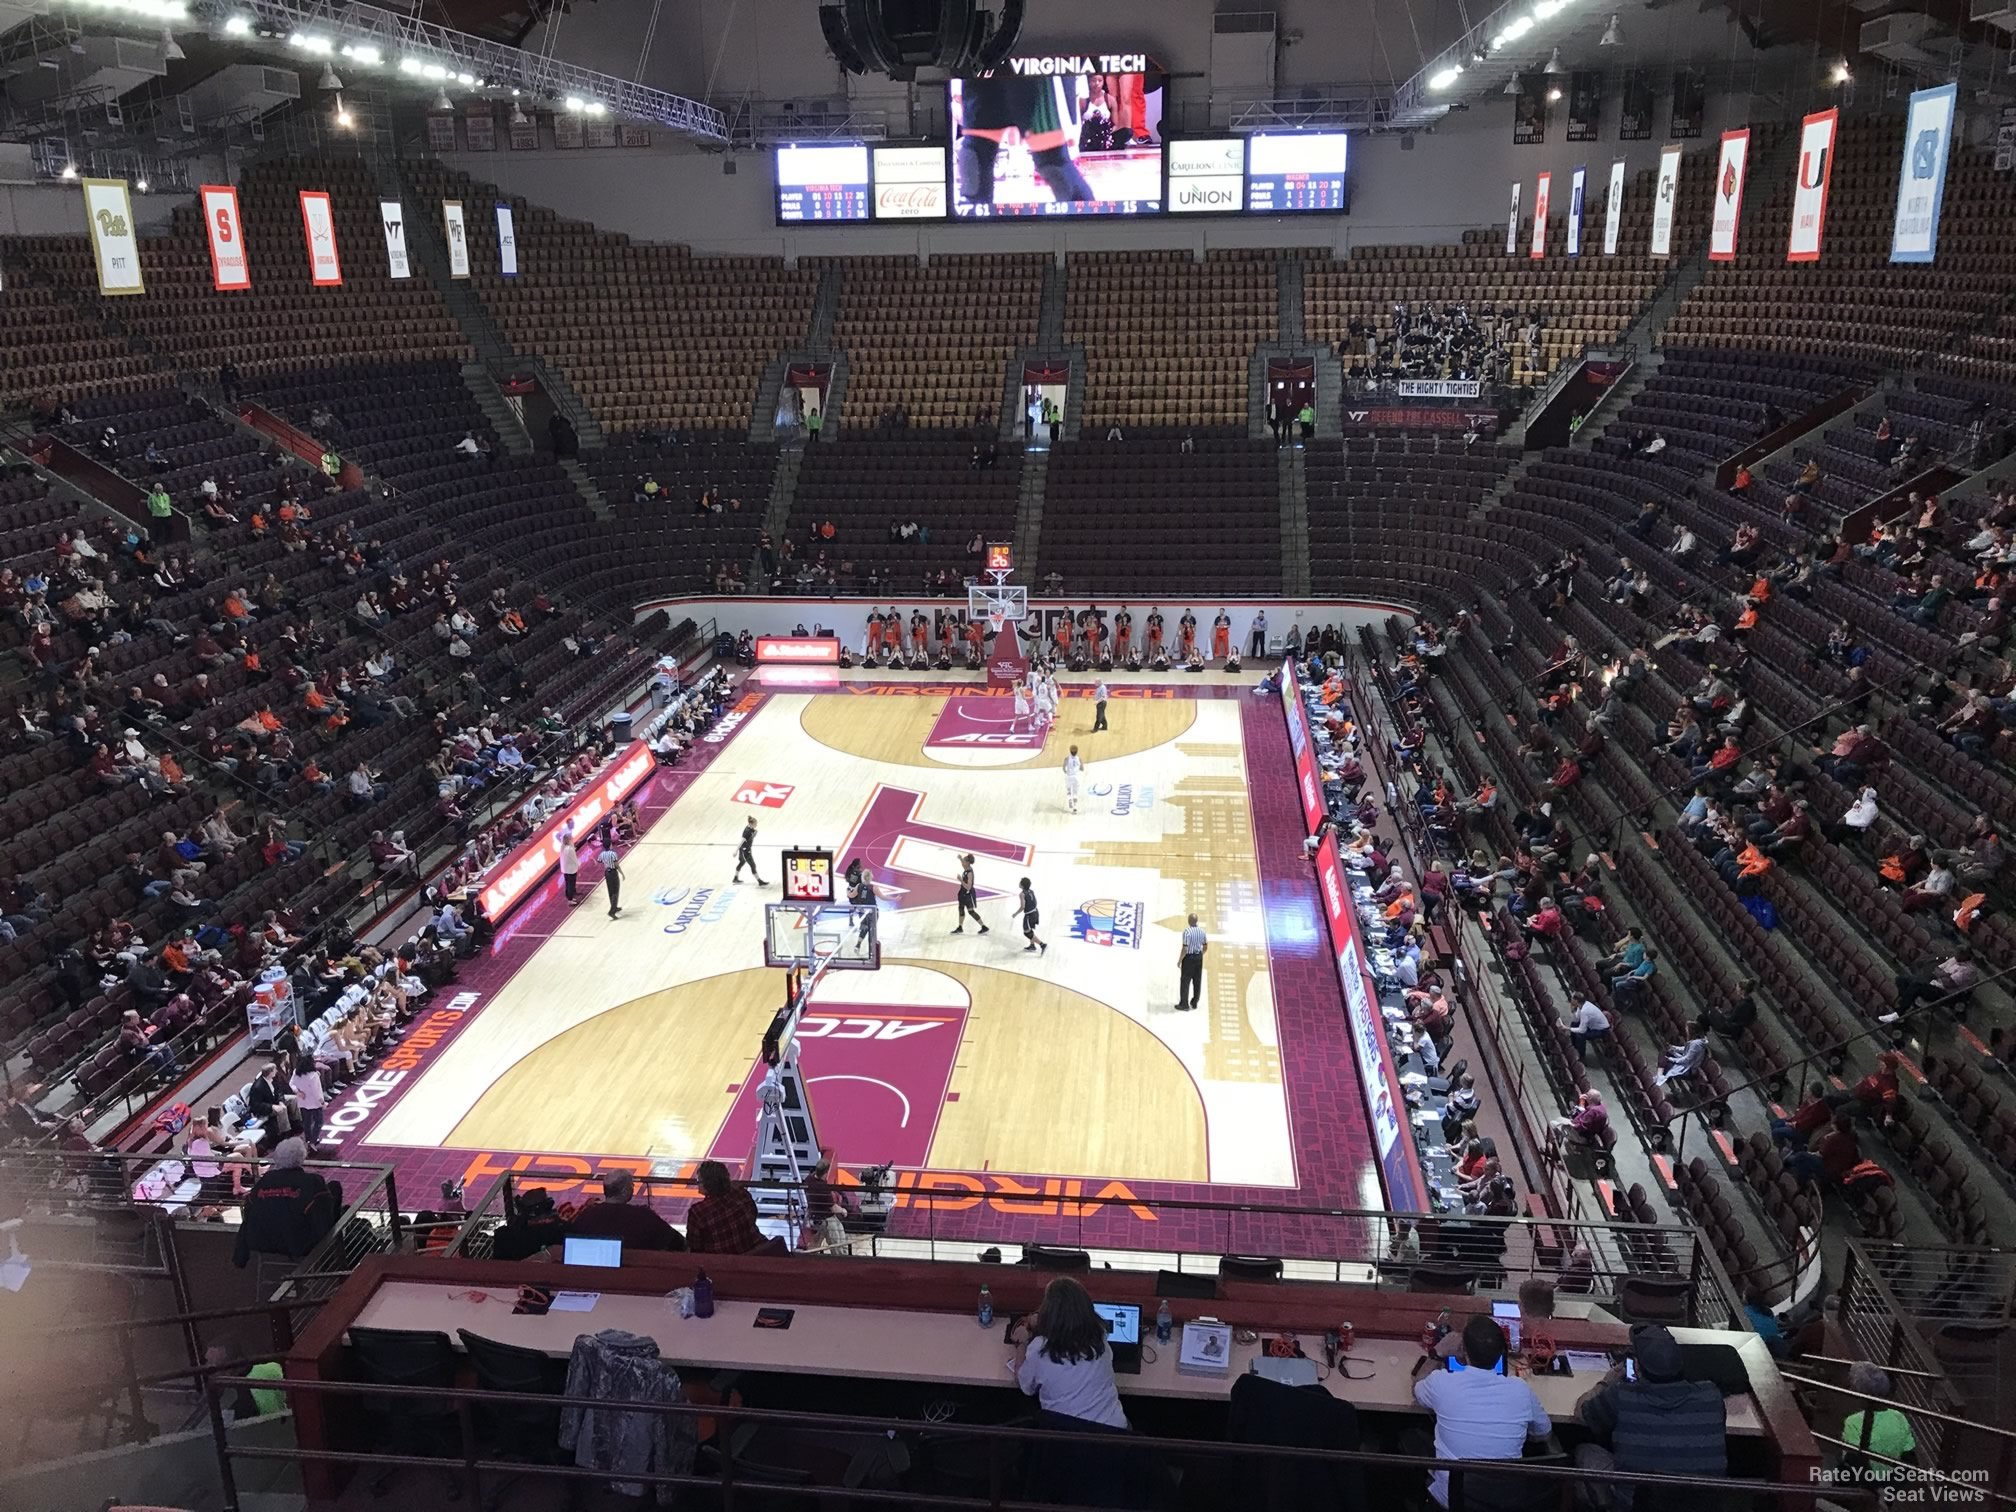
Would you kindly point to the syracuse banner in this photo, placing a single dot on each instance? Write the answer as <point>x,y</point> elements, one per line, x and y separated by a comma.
<point>507,243</point>
<point>458,238</point>
<point>1541,191</point>
<point>1512,226</point>
<point>1578,183</point>
<point>1809,190</point>
<point>1662,201</point>
<point>109,212</point>
<point>318,225</point>
<point>228,268</point>
<point>393,215</point>
<point>1613,209</point>
<point>1728,217</point>
<point>1921,178</point>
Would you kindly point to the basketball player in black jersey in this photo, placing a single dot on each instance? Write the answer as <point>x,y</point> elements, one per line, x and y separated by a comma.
<point>969,899</point>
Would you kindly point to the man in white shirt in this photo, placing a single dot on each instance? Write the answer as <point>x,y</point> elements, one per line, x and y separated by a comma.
<point>1862,812</point>
<point>1685,1060</point>
<point>1099,707</point>
<point>570,868</point>
<point>1589,1023</point>
<point>1073,770</point>
<point>1190,967</point>
<point>1479,1414</point>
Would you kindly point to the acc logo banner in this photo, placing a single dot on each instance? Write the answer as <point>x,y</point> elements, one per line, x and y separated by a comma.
<point>1107,921</point>
<point>763,794</point>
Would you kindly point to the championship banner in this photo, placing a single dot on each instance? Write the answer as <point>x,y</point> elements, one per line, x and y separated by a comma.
<point>1634,121</point>
<point>1541,192</point>
<point>1690,102</point>
<point>1728,218</point>
<point>1529,110</point>
<point>393,215</point>
<point>1613,209</point>
<point>318,227</point>
<point>1662,202</point>
<point>1577,184</point>
<point>507,243</point>
<point>228,267</point>
<point>457,237</point>
<point>1921,178</point>
<point>1809,191</point>
<point>109,213</point>
<point>1512,226</point>
<point>1585,106</point>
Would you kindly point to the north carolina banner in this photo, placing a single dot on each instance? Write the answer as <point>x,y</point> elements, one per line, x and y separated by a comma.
<point>1541,191</point>
<point>318,228</point>
<point>1662,201</point>
<point>507,243</point>
<point>1613,209</point>
<point>393,216</point>
<point>108,210</point>
<point>1921,178</point>
<point>1809,189</point>
<point>228,268</point>
<point>1728,217</point>
<point>1577,184</point>
<point>457,237</point>
<point>1512,226</point>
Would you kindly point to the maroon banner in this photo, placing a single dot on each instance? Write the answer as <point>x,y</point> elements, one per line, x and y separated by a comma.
<point>1009,664</point>
<point>1420,417</point>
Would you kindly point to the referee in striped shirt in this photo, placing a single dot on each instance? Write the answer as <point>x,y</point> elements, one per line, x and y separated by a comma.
<point>1190,967</point>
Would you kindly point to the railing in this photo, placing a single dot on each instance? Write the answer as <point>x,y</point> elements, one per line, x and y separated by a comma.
<point>1881,1327</point>
<point>1958,1459</point>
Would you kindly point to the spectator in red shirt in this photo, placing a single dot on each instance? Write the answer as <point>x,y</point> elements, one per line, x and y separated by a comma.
<point>723,1221</point>
<point>1838,1149</point>
<point>1877,1092</point>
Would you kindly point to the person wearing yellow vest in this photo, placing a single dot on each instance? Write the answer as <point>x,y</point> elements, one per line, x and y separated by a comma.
<point>332,465</point>
<point>161,510</point>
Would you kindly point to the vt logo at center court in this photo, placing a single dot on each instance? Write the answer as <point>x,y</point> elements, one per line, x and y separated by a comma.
<point>892,839</point>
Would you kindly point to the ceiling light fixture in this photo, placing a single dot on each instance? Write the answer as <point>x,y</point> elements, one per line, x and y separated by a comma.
<point>343,114</point>
<point>69,170</point>
<point>1613,34</point>
<point>1554,94</point>
<point>238,26</point>
<point>140,184</point>
<point>171,50</point>
<point>443,104</point>
<point>1554,63</point>
<point>1443,78</point>
<point>328,82</point>
<point>1842,73</point>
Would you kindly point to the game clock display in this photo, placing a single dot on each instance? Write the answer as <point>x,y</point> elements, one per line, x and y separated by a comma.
<point>808,876</point>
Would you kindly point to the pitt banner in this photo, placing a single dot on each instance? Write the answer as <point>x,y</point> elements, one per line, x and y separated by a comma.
<point>1809,191</point>
<point>392,215</point>
<point>1921,178</point>
<point>1613,209</point>
<point>1728,217</point>
<point>507,243</point>
<point>1541,191</point>
<point>1578,184</point>
<point>458,238</point>
<point>228,268</point>
<point>109,213</point>
<point>318,225</point>
<point>1512,226</point>
<point>1662,201</point>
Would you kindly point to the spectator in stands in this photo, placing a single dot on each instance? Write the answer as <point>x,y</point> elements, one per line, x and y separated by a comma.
<point>1587,1125</point>
<point>1629,951</point>
<point>1879,1433</point>
<point>362,786</point>
<point>1876,1095</point>
<point>135,1045</point>
<point>289,1208</point>
<point>1685,1059</point>
<point>1741,1013</point>
<point>1658,1424</point>
<point>1479,1414</point>
<point>723,1220</point>
<point>1839,1150</point>
<point>1627,986</point>
<point>619,1216</point>
<point>1589,1025</point>
<point>1981,860</point>
<point>1862,813</point>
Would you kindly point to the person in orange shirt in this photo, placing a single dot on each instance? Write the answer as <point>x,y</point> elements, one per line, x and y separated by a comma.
<point>1742,482</point>
<point>1760,589</point>
<point>1063,636</point>
<point>1747,620</point>
<point>234,607</point>
<point>171,770</point>
<point>268,720</point>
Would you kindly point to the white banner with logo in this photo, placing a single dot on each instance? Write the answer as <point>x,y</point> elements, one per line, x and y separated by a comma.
<point>1809,187</point>
<point>910,183</point>
<point>1728,217</point>
<point>1613,209</point>
<point>507,243</point>
<point>1541,191</point>
<point>1438,388</point>
<point>1578,183</point>
<point>228,268</point>
<point>1512,226</point>
<point>1207,176</point>
<point>393,215</point>
<point>457,236</point>
<point>1662,202</point>
<point>1921,178</point>
<point>109,211</point>
<point>318,228</point>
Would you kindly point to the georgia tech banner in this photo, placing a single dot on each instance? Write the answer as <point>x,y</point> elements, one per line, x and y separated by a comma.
<point>1809,187</point>
<point>393,215</point>
<point>1613,209</point>
<point>1921,178</point>
<point>1728,218</point>
<point>507,243</point>
<point>1578,183</point>
<point>318,225</point>
<point>458,238</point>
<point>1512,226</point>
<point>1541,191</point>
<point>1662,202</point>
<point>109,212</point>
<point>228,268</point>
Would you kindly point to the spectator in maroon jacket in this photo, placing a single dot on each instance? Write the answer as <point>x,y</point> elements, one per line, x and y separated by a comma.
<point>1876,1094</point>
<point>1838,1149</point>
<point>619,1216</point>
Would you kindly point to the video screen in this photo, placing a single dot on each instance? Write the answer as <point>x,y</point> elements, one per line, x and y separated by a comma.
<point>909,183</point>
<point>1207,177</point>
<point>1074,135</point>
<point>822,183</point>
<point>1297,172</point>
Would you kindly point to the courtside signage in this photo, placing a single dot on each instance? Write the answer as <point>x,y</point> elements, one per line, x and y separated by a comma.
<point>1307,783</point>
<point>1809,191</point>
<point>1921,177</point>
<point>228,267</point>
<point>318,229</point>
<point>361,1103</point>
<point>798,650</point>
<point>528,868</point>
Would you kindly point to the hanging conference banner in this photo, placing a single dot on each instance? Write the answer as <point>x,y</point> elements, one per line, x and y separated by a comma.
<point>1809,191</point>
<point>457,237</point>
<point>318,228</point>
<point>1529,110</point>
<point>109,212</point>
<point>1541,192</point>
<point>1634,121</point>
<point>1585,106</point>
<point>1613,209</point>
<point>1728,217</point>
<point>1577,181</point>
<point>1512,226</point>
<point>393,214</point>
<point>1662,201</point>
<point>507,243</point>
<point>228,268</point>
<point>1690,102</point>
<point>1921,178</point>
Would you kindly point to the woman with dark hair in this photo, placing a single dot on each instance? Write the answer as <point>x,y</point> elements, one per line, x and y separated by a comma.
<point>1061,1358</point>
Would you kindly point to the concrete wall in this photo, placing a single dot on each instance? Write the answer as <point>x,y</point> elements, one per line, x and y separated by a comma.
<point>58,210</point>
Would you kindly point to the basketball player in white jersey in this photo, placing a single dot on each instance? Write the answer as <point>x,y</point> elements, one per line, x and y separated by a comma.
<point>1021,705</point>
<point>1073,769</point>
<point>1045,709</point>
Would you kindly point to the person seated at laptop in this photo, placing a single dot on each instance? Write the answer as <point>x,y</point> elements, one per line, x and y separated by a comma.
<point>1479,1414</point>
<point>1061,1358</point>
<point>619,1216</point>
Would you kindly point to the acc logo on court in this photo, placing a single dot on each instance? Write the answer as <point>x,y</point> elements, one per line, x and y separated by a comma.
<point>1107,921</point>
<point>763,794</point>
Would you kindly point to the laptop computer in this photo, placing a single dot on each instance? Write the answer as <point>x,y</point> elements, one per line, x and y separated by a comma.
<point>1123,1335</point>
<point>578,1250</point>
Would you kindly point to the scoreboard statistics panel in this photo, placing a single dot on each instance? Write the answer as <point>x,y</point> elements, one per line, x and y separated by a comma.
<point>828,182</point>
<point>1296,173</point>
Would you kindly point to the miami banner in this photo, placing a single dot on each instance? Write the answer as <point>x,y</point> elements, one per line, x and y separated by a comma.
<point>1809,190</point>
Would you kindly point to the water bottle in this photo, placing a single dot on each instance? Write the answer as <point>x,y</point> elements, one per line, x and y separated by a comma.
<point>1164,1324</point>
<point>986,1308</point>
<point>703,1296</point>
<point>1512,1335</point>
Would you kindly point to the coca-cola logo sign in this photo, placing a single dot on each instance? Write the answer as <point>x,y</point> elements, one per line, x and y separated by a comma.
<point>910,202</point>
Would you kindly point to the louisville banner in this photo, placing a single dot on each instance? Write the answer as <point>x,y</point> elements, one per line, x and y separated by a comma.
<point>1728,217</point>
<point>228,267</point>
<point>458,238</point>
<point>1541,191</point>
<point>1585,106</point>
<point>1921,178</point>
<point>1809,190</point>
<point>318,225</point>
<point>1662,201</point>
<point>507,243</point>
<point>1613,209</point>
<point>1634,122</point>
<point>1578,183</point>
<point>1512,226</point>
<point>108,210</point>
<point>393,216</point>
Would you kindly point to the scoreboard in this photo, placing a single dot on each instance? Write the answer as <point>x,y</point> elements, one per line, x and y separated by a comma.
<point>822,183</point>
<point>1296,173</point>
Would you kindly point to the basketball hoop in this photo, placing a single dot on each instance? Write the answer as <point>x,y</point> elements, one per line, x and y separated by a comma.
<point>994,624</point>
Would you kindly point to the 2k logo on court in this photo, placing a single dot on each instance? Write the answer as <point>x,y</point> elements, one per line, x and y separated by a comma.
<point>763,794</point>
